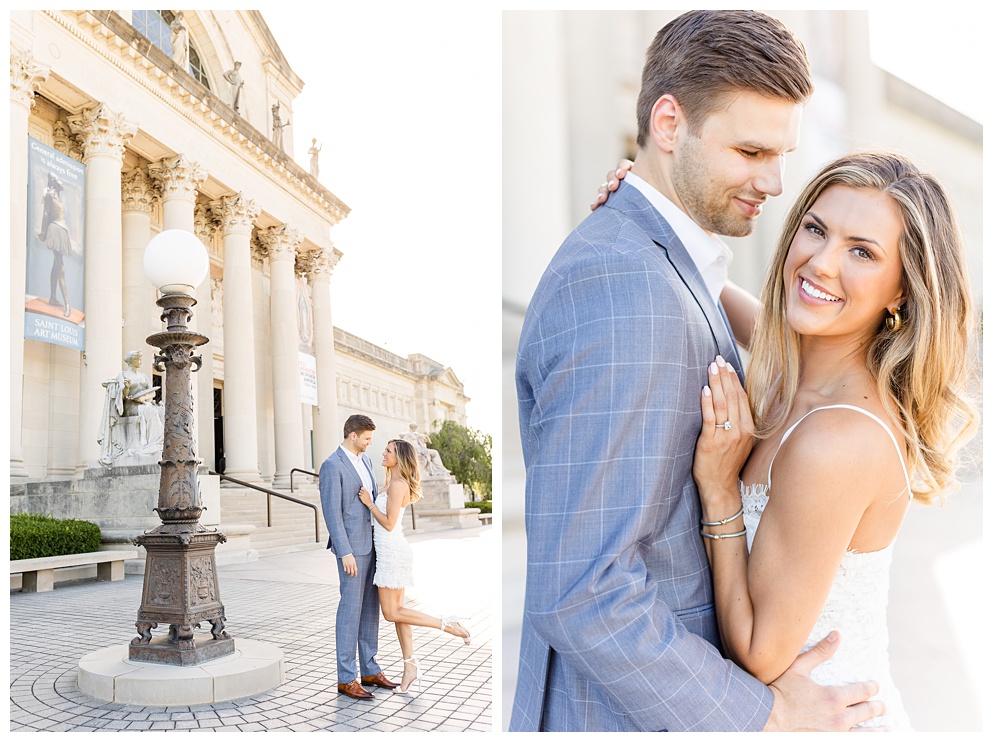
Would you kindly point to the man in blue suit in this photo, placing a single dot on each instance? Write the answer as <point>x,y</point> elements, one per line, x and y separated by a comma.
<point>342,475</point>
<point>619,629</point>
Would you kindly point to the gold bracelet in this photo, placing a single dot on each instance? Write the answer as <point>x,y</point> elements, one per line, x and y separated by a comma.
<point>722,535</point>
<point>725,521</point>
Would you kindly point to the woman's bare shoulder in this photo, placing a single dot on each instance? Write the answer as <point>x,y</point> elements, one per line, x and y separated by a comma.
<point>398,488</point>
<point>843,450</point>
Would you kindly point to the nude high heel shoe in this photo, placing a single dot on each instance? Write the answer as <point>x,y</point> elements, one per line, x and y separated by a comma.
<point>417,679</point>
<point>447,621</point>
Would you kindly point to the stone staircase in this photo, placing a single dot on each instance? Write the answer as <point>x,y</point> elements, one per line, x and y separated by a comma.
<point>292,525</point>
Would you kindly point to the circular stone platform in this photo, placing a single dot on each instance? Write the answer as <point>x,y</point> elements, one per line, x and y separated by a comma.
<point>108,675</point>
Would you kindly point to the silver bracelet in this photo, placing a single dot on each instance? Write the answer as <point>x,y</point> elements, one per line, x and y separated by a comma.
<point>722,535</point>
<point>725,521</point>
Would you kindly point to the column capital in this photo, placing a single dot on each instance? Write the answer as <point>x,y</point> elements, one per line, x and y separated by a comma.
<point>204,226</point>
<point>281,242</point>
<point>26,76</point>
<point>322,263</point>
<point>178,177</point>
<point>65,141</point>
<point>236,213</point>
<point>102,131</point>
<point>137,191</point>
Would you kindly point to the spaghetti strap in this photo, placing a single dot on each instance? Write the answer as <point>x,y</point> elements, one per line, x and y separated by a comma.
<point>885,427</point>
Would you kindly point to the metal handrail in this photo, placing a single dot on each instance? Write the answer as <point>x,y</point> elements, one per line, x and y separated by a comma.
<point>269,494</point>
<point>302,471</point>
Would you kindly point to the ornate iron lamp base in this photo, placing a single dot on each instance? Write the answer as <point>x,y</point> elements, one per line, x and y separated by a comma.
<point>162,651</point>
<point>181,590</point>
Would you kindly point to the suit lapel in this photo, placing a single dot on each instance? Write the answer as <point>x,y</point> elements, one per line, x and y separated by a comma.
<point>347,465</point>
<point>630,201</point>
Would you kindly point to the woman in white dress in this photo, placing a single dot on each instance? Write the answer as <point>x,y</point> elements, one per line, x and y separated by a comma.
<point>861,353</point>
<point>394,558</point>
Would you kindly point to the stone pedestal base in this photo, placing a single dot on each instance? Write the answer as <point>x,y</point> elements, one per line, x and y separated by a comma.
<point>441,493</point>
<point>449,518</point>
<point>108,675</point>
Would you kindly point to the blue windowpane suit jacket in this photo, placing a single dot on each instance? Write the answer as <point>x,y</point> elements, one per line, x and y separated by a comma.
<point>619,628</point>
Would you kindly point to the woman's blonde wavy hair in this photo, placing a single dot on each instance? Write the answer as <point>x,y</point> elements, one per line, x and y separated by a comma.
<point>408,467</point>
<point>922,370</point>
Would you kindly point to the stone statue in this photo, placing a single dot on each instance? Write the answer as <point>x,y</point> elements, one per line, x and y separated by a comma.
<point>314,151</point>
<point>431,465</point>
<point>132,424</point>
<point>180,42</point>
<point>233,78</point>
<point>277,127</point>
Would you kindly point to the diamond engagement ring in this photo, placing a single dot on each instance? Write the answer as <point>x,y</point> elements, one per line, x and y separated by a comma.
<point>726,425</point>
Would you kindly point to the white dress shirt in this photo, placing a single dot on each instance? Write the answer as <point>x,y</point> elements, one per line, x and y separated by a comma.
<point>360,468</point>
<point>708,252</point>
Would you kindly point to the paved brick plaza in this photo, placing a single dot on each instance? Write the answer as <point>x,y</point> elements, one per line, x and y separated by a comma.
<point>288,600</point>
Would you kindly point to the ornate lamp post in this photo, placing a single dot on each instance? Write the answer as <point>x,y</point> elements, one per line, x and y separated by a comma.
<point>180,587</point>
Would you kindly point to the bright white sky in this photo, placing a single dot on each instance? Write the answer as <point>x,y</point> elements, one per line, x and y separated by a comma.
<point>944,52</point>
<point>406,103</point>
<point>409,124</point>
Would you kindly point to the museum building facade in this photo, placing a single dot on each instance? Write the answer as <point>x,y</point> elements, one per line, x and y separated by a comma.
<point>127,123</point>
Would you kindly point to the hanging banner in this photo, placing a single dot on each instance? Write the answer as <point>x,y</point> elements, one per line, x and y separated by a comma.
<point>305,317</point>
<point>53,297</point>
<point>308,379</point>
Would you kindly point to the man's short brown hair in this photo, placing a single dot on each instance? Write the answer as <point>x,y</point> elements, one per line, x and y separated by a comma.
<point>704,56</point>
<point>358,424</point>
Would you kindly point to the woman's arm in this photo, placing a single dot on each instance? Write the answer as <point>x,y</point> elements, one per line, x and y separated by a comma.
<point>396,495</point>
<point>768,601</point>
<point>742,308</point>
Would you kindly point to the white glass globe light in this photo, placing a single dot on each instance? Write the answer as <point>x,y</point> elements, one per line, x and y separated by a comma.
<point>176,261</point>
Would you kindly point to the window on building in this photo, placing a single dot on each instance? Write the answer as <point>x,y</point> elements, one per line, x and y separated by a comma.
<point>197,69</point>
<point>154,26</point>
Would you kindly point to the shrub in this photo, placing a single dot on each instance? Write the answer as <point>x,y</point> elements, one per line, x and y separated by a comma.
<point>33,536</point>
<point>467,454</point>
<point>485,506</point>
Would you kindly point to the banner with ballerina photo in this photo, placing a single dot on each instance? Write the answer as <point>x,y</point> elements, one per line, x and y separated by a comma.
<point>53,295</point>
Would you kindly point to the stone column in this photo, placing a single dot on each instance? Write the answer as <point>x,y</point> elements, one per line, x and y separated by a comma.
<point>103,134</point>
<point>327,429</point>
<point>179,179</point>
<point>204,227</point>
<point>140,313</point>
<point>236,215</point>
<point>26,76</point>
<point>282,243</point>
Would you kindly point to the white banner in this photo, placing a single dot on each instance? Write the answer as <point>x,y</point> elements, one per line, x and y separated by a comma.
<point>308,379</point>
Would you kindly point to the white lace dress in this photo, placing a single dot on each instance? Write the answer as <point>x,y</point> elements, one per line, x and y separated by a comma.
<point>394,557</point>
<point>855,607</point>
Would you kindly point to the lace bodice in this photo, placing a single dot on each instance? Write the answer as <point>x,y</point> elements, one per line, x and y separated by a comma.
<point>394,558</point>
<point>380,503</point>
<point>855,607</point>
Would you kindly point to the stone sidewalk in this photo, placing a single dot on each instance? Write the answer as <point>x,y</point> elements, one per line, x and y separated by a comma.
<point>287,600</point>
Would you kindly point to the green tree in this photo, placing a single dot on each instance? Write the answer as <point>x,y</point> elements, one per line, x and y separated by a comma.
<point>467,454</point>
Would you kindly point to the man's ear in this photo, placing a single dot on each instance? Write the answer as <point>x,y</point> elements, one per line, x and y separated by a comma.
<point>666,122</point>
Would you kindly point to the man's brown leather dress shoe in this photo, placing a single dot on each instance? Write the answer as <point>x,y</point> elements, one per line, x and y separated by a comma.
<point>380,680</point>
<point>354,690</point>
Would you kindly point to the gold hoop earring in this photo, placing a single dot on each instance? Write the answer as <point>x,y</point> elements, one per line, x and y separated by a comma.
<point>894,322</point>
